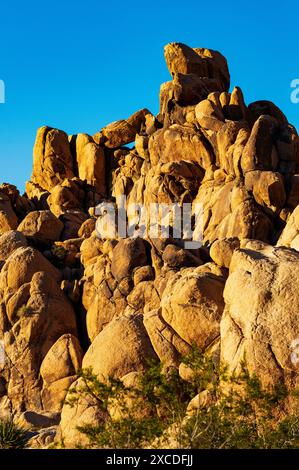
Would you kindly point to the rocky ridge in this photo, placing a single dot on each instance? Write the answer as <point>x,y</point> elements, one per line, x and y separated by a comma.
<point>69,299</point>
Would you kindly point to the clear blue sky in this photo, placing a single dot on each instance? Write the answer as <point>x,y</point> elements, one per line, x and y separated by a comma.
<point>78,65</point>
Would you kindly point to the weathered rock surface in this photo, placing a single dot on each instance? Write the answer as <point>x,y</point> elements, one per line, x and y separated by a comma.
<point>129,348</point>
<point>121,132</point>
<point>52,159</point>
<point>229,211</point>
<point>8,218</point>
<point>127,255</point>
<point>9,242</point>
<point>85,411</point>
<point>178,143</point>
<point>192,304</point>
<point>91,162</point>
<point>34,314</point>
<point>290,234</point>
<point>260,321</point>
<point>222,251</point>
<point>59,369</point>
<point>72,297</point>
<point>41,226</point>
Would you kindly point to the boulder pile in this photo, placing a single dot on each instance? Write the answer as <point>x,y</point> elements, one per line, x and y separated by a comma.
<point>70,299</point>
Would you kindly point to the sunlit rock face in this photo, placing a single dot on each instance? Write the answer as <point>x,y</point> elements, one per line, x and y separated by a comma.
<point>71,297</point>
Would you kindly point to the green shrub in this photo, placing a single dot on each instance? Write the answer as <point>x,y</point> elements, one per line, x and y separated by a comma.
<point>240,412</point>
<point>59,252</point>
<point>23,311</point>
<point>58,256</point>
<point>11,435</point>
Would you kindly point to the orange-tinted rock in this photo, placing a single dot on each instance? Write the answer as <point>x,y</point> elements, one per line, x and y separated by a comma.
<point>259,152</point>
<point>121,132</point>
<point>41,226</point>
<point>180,143</point>
<point>52,159</point>
<point>91,162</point>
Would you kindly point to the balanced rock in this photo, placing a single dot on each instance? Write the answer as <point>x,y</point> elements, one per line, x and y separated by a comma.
<point>121,132</point>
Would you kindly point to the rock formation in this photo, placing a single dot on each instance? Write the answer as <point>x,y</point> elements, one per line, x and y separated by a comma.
<point>69,298</point>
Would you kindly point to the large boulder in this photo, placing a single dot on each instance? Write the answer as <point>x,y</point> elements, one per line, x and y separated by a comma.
<point>91,162</point>
<point>20,204</point>
<point>175,181</point>
<point>34,314</point>
<point>222,251</point>
<point>201,62</point>
<point>127,255</point>
<point>121,132</point>
<point>183,59</point>
<point>260,324</point>
<point>52,158</point>
<point>209,115</point>
<point>19,268</point>
<point>171,182</point>
<point>231,140</point>
<point>122,347</point>
<point>192,304</point>
<point>69,195</point>
<point>259,152</point>
<point>168,345</point>
<point>267,188</point>
<point>41,226</point>
<point>217,66</point>
<point>230,211</point>
<point>84,411</point>
<point>178,143</point>
<point>190,89</point>
<point>9,242</point>
<point>176,257</point>
<point>59,369</point>
<point>263,107</point>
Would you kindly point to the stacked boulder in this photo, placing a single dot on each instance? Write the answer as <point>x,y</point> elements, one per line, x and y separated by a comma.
<point>69,298</point>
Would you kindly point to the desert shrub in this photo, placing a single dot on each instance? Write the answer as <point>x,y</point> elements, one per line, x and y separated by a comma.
<point>57,255</point>
<point>59,252</point>
<point>23,311</point>
<point>11,435</point>
<point>240,412</point>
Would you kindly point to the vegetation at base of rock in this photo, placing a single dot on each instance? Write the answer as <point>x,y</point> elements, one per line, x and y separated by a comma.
<point>11,435</point>
<point>240,413</point>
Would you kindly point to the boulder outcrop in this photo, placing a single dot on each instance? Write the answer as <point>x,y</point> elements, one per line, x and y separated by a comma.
<point>74,295</point>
